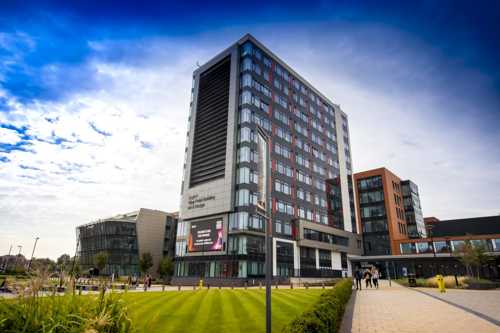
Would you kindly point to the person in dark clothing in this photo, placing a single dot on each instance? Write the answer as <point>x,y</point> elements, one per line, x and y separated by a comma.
<point>358,275</point>
<point>368,278</point>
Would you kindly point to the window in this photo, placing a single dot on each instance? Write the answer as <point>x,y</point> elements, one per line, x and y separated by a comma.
<point>245,116</point>
<point>246,49</point>
<point>287,230</point>
<point>281,101</point>
<point>441,247</point>
<point>304,177</point>
<point>284,169</point>
<point>320,184</point>
<point>369,197</point>
<point>282,150</point>
<point>247,135</point>
<point>246,176</point>
<point>180,248</point>
<point>246,221</point>
<point>245,154</point>
<point>408,248</point>
<point>246,80</point>
<point>267,62</point>
<point>301,160</point>
<point>246,64</point>
<point>244,197</point>
<point>301,129</point>
<point>284,207</point>
<point>281,117</point>
<point>370,183</point>
<point>182,229</point>
<point>281,186</point>
<point>373,211</point>
<point>284,134</point>
<point>277,226</point>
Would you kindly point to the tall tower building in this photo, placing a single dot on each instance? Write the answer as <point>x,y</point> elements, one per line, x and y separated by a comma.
<point>262,139</point>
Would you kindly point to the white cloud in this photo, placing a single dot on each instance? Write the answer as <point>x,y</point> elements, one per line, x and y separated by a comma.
<point>9,136</point>
<point>146,101</point>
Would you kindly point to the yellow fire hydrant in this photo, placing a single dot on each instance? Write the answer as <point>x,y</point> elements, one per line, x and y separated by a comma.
<point>440,283</point>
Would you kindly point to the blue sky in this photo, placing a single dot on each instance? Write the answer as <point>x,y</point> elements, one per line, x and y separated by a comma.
<point>94,99</point>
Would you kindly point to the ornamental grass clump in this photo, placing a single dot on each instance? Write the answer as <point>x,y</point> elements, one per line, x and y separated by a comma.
<point>36,312</point>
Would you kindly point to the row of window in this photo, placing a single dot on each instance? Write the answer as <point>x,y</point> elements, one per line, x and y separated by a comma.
<point>247,115</point>
<point>246,221</point>
<point>247,64</point>
<point>369,197</point>
<point>308,214</point>
<point>370,183</point>
<point>325,237</point>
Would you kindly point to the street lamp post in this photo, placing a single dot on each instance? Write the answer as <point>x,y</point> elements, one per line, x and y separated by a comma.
<point>18,255</point>
<point>429,232</point>
<point>6,263</point>
<point>264,210</point>
<point>32,253</point>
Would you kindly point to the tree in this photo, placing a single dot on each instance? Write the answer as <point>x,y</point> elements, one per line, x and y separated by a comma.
<point>146,262</point>
<point>100,260</point>
<point>166,268</point>
<point>472,257</point>
<point>63,262</point>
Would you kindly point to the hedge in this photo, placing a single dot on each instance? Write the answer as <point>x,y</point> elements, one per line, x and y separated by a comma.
<point>326,314</point>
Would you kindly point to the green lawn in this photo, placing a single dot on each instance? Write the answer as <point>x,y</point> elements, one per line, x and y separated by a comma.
<point>214,310</point>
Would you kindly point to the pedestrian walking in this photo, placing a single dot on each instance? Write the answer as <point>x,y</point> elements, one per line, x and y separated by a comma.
<point>368,278</point>
<point>375,277</point>
<point>358,275</point>
<point>145,282</point>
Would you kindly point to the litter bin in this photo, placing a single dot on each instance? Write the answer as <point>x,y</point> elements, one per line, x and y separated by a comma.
<point>412,280</point>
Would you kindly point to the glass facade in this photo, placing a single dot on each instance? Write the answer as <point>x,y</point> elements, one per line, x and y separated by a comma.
<point>305,167</point>
<point>117,238</point>
<point>413,210</point>
<point>373,216</point>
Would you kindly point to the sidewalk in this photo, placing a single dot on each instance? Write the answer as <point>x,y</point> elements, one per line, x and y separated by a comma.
<point>398,309</point>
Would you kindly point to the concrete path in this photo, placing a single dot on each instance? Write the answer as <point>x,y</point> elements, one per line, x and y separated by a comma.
<point>398,309</point>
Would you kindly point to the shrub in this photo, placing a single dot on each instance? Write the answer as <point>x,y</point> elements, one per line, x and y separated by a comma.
<point>473,283</point>
<point>326,314</point>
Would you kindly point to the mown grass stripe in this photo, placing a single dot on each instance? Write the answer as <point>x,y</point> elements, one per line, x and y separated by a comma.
<point>156,311</point>
<point>185,315</point>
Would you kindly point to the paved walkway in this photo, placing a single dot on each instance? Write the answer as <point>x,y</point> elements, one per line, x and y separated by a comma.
<point>398,309</point>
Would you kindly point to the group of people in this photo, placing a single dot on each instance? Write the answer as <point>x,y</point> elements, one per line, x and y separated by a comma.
<point>370,275</point>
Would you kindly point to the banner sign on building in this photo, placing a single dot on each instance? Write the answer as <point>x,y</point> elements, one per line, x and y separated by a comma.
<point>262,166</point>
<point>205,236</point>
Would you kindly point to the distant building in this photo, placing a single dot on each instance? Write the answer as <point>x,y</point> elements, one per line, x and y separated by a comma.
<point>439,253</point>
<point>388,209</point>
<point>430,220</point>
<point>125,238</point>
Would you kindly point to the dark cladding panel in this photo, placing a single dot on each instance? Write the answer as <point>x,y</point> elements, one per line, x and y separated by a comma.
<point>210,130</point>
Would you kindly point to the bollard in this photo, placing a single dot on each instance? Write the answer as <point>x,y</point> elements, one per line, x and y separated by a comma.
<point>276,285</point>
<point>291,285</point>
<point>246,285</point>
<point>440,283</point>
<point>323,285</point>
<point>179,288</point>
<point>163,287</point>
<point>208,286</point>
<point>260,284</point>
